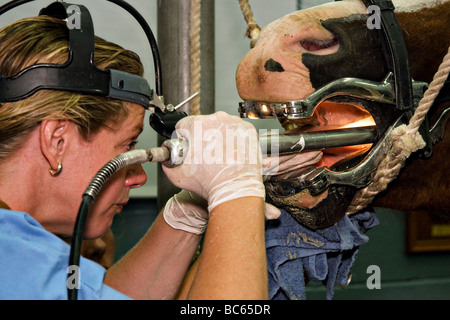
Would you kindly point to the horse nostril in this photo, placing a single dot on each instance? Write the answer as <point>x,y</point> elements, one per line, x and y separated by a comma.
<point>273,66</point>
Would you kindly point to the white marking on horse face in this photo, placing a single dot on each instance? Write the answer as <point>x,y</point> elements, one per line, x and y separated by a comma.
<point>414,5</point>
<point>284,41</point>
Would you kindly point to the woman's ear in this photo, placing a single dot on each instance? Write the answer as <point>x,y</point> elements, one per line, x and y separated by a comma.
<point>54,136</point>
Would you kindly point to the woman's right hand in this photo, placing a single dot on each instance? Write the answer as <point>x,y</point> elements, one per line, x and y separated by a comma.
<point>223,161</point>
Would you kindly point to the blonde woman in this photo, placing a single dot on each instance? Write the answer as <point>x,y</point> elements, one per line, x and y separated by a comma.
<point>52,144</point>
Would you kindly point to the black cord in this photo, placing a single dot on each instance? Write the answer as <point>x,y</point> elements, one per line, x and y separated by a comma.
<point>151,39</point>
<point>77,237</point>
<point>88,198</point>
<point>11,5</point>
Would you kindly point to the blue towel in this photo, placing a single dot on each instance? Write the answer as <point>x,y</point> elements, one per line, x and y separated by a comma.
<point>294,251</point>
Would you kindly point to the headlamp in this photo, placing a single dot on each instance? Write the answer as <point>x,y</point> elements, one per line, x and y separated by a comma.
<point>79,74</point>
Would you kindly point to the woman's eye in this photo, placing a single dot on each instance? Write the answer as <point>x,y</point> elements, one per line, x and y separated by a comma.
<point>131,145</point>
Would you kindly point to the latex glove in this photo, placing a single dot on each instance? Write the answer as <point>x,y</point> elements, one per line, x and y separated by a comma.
<point>271,212</point>
<point>189,212</point>
<point>223,161</point>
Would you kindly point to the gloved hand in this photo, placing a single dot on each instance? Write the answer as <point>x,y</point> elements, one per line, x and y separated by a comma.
<point>189,212</point>
<point>223,161</point>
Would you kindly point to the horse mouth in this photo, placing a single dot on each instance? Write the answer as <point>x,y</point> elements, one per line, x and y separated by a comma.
<point>333,115</point>
<point>329,206</point>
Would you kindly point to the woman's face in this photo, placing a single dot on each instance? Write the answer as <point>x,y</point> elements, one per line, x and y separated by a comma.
<point>92,155</point>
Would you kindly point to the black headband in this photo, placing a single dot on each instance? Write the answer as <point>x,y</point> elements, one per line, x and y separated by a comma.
<point>78,74</point>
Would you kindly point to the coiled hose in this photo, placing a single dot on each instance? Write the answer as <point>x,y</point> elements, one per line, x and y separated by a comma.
<point>121,161</point>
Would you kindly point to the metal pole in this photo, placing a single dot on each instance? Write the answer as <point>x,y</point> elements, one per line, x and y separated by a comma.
<point>173,43</point>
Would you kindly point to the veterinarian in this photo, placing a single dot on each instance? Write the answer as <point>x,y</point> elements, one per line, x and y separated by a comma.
<point>52,142</point>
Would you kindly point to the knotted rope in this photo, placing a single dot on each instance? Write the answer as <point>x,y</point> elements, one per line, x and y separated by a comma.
<point>252,27</point>
<point>195,68</point>
<point>404,140</point>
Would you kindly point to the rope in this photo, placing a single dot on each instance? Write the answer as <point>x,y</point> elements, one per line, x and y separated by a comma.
<point>195,55</point>
<point>403,141</point>
<point>252,27</point>
<point>195,68</point>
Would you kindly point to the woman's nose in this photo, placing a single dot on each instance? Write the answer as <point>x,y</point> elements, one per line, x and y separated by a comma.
<point>136,177</point>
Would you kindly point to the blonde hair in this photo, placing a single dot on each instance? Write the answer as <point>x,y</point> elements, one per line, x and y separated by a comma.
<point>45,40</point>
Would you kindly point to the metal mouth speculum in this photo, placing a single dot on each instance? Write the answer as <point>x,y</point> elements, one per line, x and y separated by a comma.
<point>382,92</point>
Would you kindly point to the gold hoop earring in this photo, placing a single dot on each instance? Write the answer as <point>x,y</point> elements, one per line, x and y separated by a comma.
<point>57,172</point>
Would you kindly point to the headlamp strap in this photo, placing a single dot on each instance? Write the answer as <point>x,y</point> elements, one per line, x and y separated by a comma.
<point>78,74</point>
<point>81,37</point>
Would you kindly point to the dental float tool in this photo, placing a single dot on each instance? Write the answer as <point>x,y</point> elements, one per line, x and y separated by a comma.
<point>318,140</point>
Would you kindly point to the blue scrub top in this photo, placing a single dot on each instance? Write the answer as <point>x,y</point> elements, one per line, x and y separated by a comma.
<point>34,262</point>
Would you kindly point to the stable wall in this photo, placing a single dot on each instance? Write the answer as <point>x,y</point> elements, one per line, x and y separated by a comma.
<point>403,276</point>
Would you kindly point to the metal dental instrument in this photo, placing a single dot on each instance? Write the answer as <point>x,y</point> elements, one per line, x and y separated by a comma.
<point>182,103</point>
<point>317,180</point>
<point>318,140</point>
<point>170,107</point>
<point>382,92</point>
<point>164,119</point>
<point>172,153</point>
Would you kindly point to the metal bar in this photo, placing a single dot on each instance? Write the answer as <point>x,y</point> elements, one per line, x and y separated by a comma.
<point>173,42</point>
<point>318,140</point>
<point>158,154</point>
